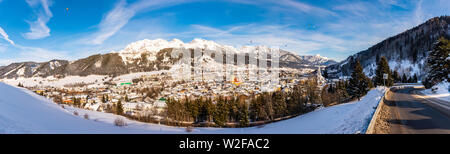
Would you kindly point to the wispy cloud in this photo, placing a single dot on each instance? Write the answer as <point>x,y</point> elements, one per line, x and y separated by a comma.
<point>5,36</point>
<point>277,36</point>
<point>357,9</point>
<point>393,3</point>
<point>300,41</point>
<point>288,6</point>
<point>121,14</point>
<point>39,28</point>
<point>36,54</point>
<point>305,8</point>
<point>419,15</point>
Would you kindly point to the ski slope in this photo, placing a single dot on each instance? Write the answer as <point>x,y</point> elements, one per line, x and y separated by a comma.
<point>23,112</point>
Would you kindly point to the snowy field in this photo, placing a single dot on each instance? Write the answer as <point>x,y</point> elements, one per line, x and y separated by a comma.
<point>92,80</point>
<point>442,92</point>
<point>22,111</point>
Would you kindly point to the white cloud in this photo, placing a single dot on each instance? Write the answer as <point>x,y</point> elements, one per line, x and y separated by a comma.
<point>304,7</point>
<point>121,15</point>
<point>39,28</point>
<point>419,15</point>
<point>36,54</point>
<point>346,29</point>
<point>5,36</point>
<point>393,3</point>
<point>123,12</point>
<point>291,6</point>
<point>357,9</point>
<point>299,41</point>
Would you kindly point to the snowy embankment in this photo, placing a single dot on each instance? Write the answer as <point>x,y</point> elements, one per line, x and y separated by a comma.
<point>442,92</point>
<point>22,111</point>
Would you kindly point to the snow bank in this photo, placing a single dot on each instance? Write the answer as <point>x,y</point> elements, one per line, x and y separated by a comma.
<point>22,111</point>
<point>346,118</point>
<point>442,92</point>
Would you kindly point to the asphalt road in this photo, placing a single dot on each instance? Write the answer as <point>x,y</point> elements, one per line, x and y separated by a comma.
<point>412,114</point>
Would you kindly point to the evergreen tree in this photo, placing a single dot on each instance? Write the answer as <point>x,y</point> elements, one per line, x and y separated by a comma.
<point>404,78</point>
<point>439,63</point>
<point>221,113</point>
<point>370,83</point>
<point>244,121</point>
<point>358,85</point>
<point>279,104</point>
<point>253,109</point>
<point>312,90</point>
<point>331,88</point>
<point>325,74</point>
<point>342,91</point>
<point>383,68</point>
<point>193,109</point>
<point>410,80</point>
<point>395,76</point>
<point>327,96</point>
<point>415,80</point>
<point>377,58</point>
<point>119,108</point>
<point>210,109</point>
<point>233,107</point>
<point>126,98</point>
<point>261,111</point>
<point>103,99</point>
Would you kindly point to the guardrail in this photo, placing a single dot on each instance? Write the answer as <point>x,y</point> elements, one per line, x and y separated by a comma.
<point>373,121</point>
<point>402,84</point>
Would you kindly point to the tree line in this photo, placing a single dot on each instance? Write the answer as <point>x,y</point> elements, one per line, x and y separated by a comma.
<point>239,111</point>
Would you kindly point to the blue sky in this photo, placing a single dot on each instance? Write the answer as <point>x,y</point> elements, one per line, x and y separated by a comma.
<point>41,30</point>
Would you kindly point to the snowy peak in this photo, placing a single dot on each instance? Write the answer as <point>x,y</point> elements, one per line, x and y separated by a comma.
<point>154,46</point>
<point>287,56</point>
<point>151,46</point>
<point>150,55</point>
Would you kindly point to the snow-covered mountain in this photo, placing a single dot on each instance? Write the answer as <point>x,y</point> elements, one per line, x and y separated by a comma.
<point>145,56</point>
<point>31,69</point>
<point>405,52</point>
<point>313,60</point>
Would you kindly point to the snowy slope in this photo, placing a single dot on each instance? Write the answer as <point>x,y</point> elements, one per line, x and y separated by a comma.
<point>22,111</point>
<point>441,93</point>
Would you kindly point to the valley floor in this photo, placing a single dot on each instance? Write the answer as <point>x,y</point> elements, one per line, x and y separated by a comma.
<point>24,112</point>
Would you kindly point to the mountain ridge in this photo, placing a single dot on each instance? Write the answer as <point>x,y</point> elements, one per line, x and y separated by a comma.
<point>143,56</point>
<point>406,52</point>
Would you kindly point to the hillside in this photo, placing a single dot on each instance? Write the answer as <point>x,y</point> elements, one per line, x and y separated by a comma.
<point>405,52</point>
<point>30,69</point>
<point>22,111</point>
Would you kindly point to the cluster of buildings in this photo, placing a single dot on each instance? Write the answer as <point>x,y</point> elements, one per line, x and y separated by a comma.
<point>147,94</point>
